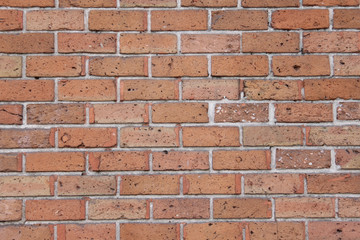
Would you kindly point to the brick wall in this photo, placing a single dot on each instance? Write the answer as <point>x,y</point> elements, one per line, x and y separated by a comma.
<point>179,119</point>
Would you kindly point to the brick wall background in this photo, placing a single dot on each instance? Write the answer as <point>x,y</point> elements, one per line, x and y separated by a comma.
<point>179,119</point>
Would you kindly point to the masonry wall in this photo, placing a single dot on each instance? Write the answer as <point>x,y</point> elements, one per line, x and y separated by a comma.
<point>187,119</point>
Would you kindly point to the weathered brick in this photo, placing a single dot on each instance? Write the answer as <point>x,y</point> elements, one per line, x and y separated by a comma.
<point>333,183</point>
<point>86,43</point>
<point>239,20</point>
<point>10,162</point>
<point>11,210</point>
<point>346,65</point>
<point>180,112</point>
<point>89,231</point>
<point>342,136</point>
<point>330,89</point>
<point>10,66</point>
<point>148,3</point>
<point>348,158</point>
<point>210,43</point>
<point>331,2</point>
<point>87,137</point>
<point>180,160</point>
<point>274,184</point>
<point>300,19</point>
<point>180,20</point>
<point>148,43</point>
<point>55,162</point>
<point>150,185</point>
<point>118,66</point>
<point>211,136</point>
<point>27,232</point>
<point>21,186</point>
<point>303,112</point>
<point>241,160</point>
<point>334,230</point>
<point>275,230</point>
<point>11,20</point>
<point>55,113</point>
<point>179,66</point>
<point>209,3</point>
<point>217,230</point>
<point>302,159</point>
<point>305,207</point>
<point>26,138</point>
<point>53,20</point>
<point>244,112</point>
<point>348,111</point>
<point>27,90</point>
<point>270,3</point>
<point>11,114</point>
<point>32,3</point>
<point>149,231</point>
<point>27,43</point>
<point>88,3</point>
<point>347,18</point>
<point>349,207</point>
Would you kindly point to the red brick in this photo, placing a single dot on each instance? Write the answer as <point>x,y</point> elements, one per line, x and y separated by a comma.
<point>149,231</point>
<point>305,207</point>
<point>334,230</point>
<point>23,186</point>
<point>102,20</point>
<point>26,138</point>
<point>208,43</point>
<point>87,137</point>
<point>87,90</point>
<point>271,42</point>
<point>11,20</point>
<point>241,160</point>
<point>346,65</point>
<point>150,185</point>
<point>149,90</point>
<point>348,111</point>
<point>86,185</point>
<point>330,89</point>
<point>86,43</point>
<point>240,66</point>
<point>40,210</point>
<point>119,161</point>
<point>302,159</point>
<point>274,184</point>
<point>349,207</point>
<point>55,66</point>
<point>211,137</point>
<point>239,20</point>
<point>275,230</point>
<point>233,112</point>
<point>180,113</point>
<point>186,208</point>
<point>11,210</point>
<point>310,65</point>
<point>270,3</point>
<point>213,89</point>
<point>27,43</point>
<point>147,3</point>
<point>180,20</point>
<point>179,66</point>
<point>100,209</point>
<point>27,90</point>
<point>10,66</point>
<point>347,18</point>
<point>10,162</point>
<point>118,66</point>
<point>333,183</point>
<point>180,160</point>
<point>149,137</point>
<point>55,162</point>
<point>331,2</point>
<point>148,43</point>
<point>348,158</point>
<point>32,3</point>
<point>27,232</point>
<point>300,19</point>
<point>11,114</point>
<point>209,3</point>
<point>242,208</point>
<point>342,136</point>
<point>303,112</point>
<point>217,230</point>
<point>53,20</point>
<point>212,184</point>
<point>86,231</point>
<point>88,3</point>
<point>273,89</point>
<point>55,113</point>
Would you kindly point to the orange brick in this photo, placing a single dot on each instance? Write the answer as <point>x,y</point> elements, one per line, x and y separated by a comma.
<point>150,185</point>
<point>148,3</point>
<point>241,160</point>
<point>100,209</point>
<point>305,207</point>
<point>11,114</point>
<point>149,90</point>
<point>333,183</point>
<point>90,231</point>
<point>32,3</point>
<point>119,161</point>
<point>346,65</point>
<point>212,184</point>
<point>330,89</point>
<point>180,160</point>
<point>300,19</point>
<point>22,186</point>
<point>180,20</point>
<point>272,89</point>
<point>10,66</point>
<point>179,66</point>
<point>53,20</point>
<point>27,90</point>
<point>86,43</point>
<point>10,162</point>
<point>102,20</point>
<point>349,207</point>
<point>233,112</point>
<point>118,66</point>
<point>303,112</point>
<point>240,66</point>
<point>11,20</point>
<point>88,3</point>
<point>28,232</point>
<point>208,43</point>
<point>274,184</point>
<point>310,65</point>
<point>186,208</point>
<point>180,113</point>
<point>149,137</point>
<point>41,210</point>
<point>55,66</point>
<point>211,136</point>
<point>302,159</point>
<point>218,230</point>
<point>331,2</point>
<point>87,137</point>
<point>55,162</point>
<point>239,20</point>
<point>348,158</point>
<point>209,3</point>
<point>27,43</point>
<point>87,90</point>
<point>26,138</point>
<point>346,18</point>
<point>343,136</point>
<point>11,210</point>
<point>275,230</point>
<point>242,208</point>
<point>334,230</point>
<point>55,113</point>
<point>149,231</point>
<point>86,185</point>
<point>148,43</point>
<point>348,111</point>
<point>270,3</point>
